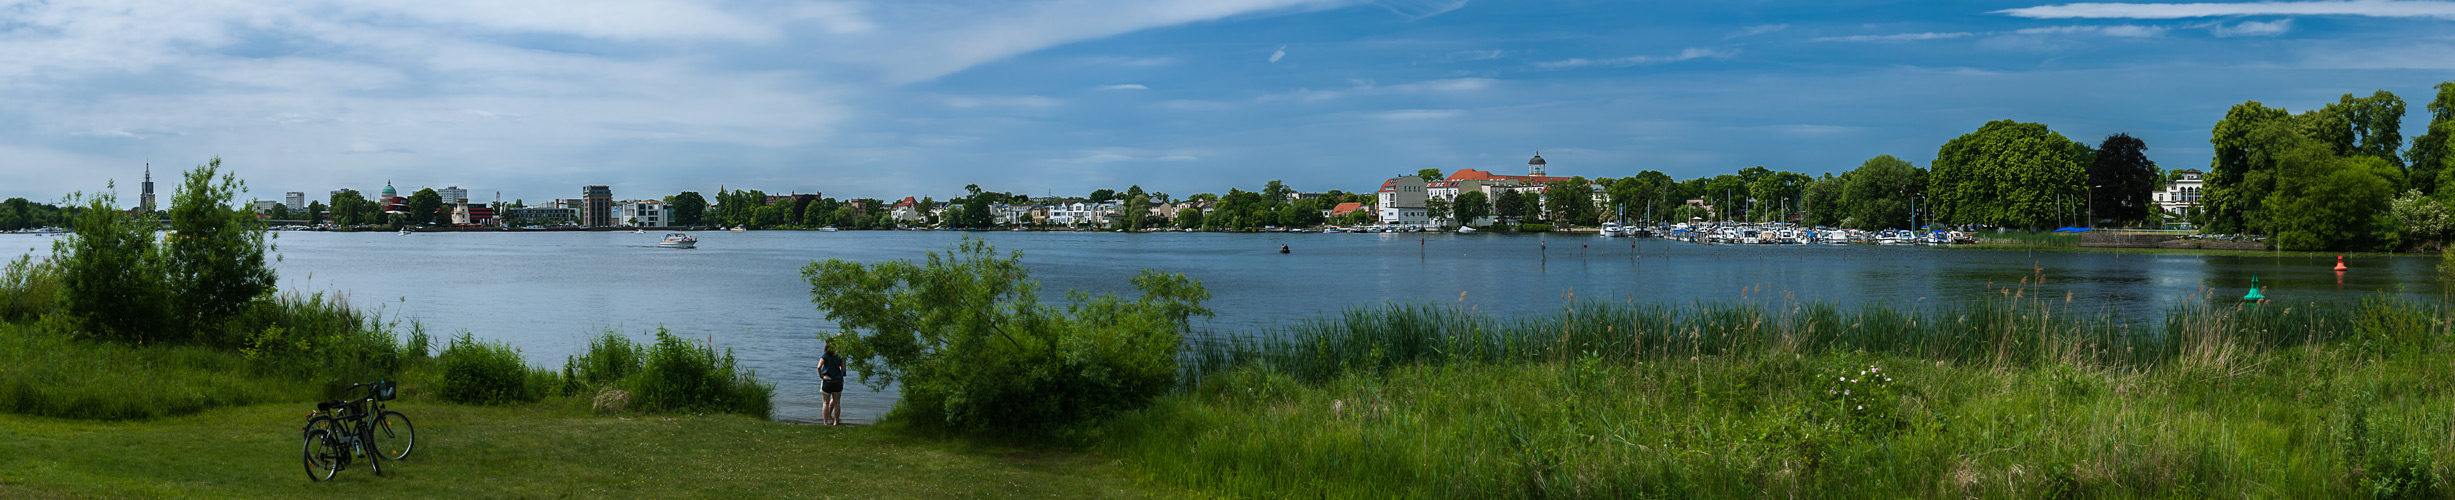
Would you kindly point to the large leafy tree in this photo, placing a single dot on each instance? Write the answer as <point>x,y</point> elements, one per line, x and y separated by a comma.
<point>1472,206</point>
<point>1823,203</point>
<point>347,208</point>
<point>422,206</point>
<point>216,264</point>
<point>1275,193</point>
<point>1136,207</point>
<point>688,208</point>
<point>2328,202</point>
<point>1775,193</point>
<point>1570,201</point>
<point>1429,174</point>
<point>1509,205</point>
<point>111,275</point>
<point>1878,192</point>
<point>2433,153</point>
<point>2008,173</point>
<point>316,211</point>
<point>2120,180</point>
<point>2242,171</point>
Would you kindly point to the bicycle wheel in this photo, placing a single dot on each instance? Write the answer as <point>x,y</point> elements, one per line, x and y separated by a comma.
<point>326,424</point>
<point>394,436</point>
<point>366,446</point>
<point>323,455</point>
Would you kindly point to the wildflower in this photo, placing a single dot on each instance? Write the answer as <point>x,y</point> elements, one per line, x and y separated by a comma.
<point>1862,407</point>
<point>1845,392</point>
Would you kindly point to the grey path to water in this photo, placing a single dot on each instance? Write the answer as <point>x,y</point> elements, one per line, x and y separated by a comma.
<point>548,293</point>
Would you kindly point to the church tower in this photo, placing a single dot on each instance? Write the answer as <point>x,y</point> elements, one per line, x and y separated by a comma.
<point>1536,164</point>
<point>146,201</point>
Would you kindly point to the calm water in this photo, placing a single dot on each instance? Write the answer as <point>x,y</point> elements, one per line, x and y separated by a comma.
<point>547,293</point>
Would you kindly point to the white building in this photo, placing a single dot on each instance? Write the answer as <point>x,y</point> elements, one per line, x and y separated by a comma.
<point>2180,199</point>
<point>1081,214</point>
<point>266,206</point>
<point>1402,202</point>
<point>643,214</point>
<point>296,200</point>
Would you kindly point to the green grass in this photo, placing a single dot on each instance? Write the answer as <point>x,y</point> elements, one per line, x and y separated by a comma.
<point>42,373</point>
<point>553,449</point>
<point>2024,238</point>
<point>2007,398</point>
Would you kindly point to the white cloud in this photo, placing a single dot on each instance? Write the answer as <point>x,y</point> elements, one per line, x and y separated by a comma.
<point>2369,8</point>
<point>1419,9</point>
<point>1683,55</point>
<point>1756,30</point>
<point>1448,85</point>
<point>1021,101</point>
<point>1124,86</point>
<point>1178,158</point>
<point>2247,28</point>
<point>1901,37</point>
<point>1473,55</point>
<point>2121,31</point>
<point>1275,55</point>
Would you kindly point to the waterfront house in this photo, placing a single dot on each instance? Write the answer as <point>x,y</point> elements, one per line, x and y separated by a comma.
<point>1401,202</point>
<point>2179,200</point>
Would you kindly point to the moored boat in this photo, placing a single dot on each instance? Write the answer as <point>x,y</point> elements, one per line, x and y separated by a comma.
<point>679,240</point>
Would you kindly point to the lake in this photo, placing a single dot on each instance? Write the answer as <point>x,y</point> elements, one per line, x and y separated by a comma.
<point>548,293</point>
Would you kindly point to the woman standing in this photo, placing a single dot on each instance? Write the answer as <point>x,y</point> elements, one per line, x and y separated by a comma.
<point>831,395</point>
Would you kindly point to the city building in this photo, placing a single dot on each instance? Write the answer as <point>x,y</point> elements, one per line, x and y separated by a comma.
<point>296,200</point>
<point>544,216</point>
<point>596,206</point>
<point>145,203</point>
<point>2179,200</point>
<point>907,210</point>
<point>1491,185</point>
<point>453,195</point>
<point>1402,202</point>
<point>646,213</point>
<point>267,206</point>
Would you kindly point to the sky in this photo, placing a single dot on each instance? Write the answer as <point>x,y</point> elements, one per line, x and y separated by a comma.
<point>885,99</point>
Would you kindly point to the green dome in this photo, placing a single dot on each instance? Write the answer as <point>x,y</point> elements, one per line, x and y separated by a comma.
<point>389,192</point>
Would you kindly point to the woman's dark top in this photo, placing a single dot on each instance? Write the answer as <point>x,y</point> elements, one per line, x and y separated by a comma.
<point>832,366</point>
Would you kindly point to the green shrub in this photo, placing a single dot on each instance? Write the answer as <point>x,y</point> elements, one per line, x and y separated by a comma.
<point>1534,228</point>
<point>680,374</point>
<point>28,290</point>
<point>976,350</point>
<point>111,281</point>
<point>479,372</point>
<point>610,359</point>
<point>45,370</point>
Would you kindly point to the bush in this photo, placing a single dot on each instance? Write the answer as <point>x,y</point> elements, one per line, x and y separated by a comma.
<point>1534,228</point>
<point>478,372</point>
<point>111,281</point>
<point>610,359</point>
<point>28,290</point>
<point>684,375</point>
<point>977,351</point>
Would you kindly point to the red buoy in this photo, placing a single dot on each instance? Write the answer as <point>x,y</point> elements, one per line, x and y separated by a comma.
<point>2340,263</point>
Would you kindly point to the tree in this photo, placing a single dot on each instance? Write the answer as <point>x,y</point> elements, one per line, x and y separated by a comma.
<point>279,212</point>
<point>688,208</point>
<point>1275,193</point>
<point>1823,203</point>
<point>1438,210</point>
<point>2433,153</point>
<point>2420,218</point>
<point>2008,173</point>
<point>216,265</point>
<point>1102,196</point>
<point>1509,205</point>
<point>1570,201</point>
<point>2241,172</point>
<point>1878,192</point>
<point>422,206</point>
<point>2120,181</point>
<point>110,274</point>
<point>1429,174</point>
<point>1136,207</point>
<point>1189,217</point>
<point>1774,193</point>
<point>315,212</point>
<point>2327,202</point>
<point>1472,206</point>
<point>976,350</point>
<point>345,208</point>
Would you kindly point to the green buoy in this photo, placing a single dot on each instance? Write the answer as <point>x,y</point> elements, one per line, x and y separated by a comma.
<point>2254,295</point>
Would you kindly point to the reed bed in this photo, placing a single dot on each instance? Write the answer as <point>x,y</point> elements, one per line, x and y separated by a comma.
<point>2009,396</point>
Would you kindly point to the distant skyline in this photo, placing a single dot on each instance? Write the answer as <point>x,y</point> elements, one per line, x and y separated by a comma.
<point>888,99</point>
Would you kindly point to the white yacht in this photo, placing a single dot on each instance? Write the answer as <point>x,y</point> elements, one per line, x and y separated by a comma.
<point>678,240</point>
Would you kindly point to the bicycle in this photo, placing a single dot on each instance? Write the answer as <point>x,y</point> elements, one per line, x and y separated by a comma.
<point>339,431</point>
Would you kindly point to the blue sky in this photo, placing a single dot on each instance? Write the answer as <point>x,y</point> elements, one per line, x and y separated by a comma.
<point>893,98</point>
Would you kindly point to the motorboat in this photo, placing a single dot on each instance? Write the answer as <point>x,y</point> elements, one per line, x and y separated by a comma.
<point>738,229</point>
<point>828,229</point>
<point>678,240</point>
<point>405,231</point>
<point>1466,229</point>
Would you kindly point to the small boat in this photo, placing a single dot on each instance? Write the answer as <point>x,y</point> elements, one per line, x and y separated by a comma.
<point>678,240</point>
<point>828,229</point>
<point>405,231</point>
<point>639,231</point>
<point>738,229</point>
<point>1465,229</point>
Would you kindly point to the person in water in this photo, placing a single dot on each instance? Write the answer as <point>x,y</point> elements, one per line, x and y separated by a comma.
<point>1282,248</point>
<point>831,389</point>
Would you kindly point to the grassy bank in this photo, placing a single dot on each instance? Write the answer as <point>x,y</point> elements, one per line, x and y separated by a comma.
<point>553,449</point>
<point>2014,397</point>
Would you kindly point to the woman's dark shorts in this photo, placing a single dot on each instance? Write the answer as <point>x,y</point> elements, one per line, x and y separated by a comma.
<point>834,386</point>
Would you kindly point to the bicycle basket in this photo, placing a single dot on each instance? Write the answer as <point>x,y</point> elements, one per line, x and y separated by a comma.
<point>383,390</point>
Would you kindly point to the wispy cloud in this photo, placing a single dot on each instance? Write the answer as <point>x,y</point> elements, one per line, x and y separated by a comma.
<point>1124,86</point>
<point>1024,101</point>
<point>1276,55</point>
<point>1899,37</point>
<point>999,30</point>
<point>1683,55</point>
<point>2369,8</point>
<point>1756,30</point>
<point>2122,31</point>
<point>1473,55</point>
<point>2247,28</point>
<point>1419,9</point>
